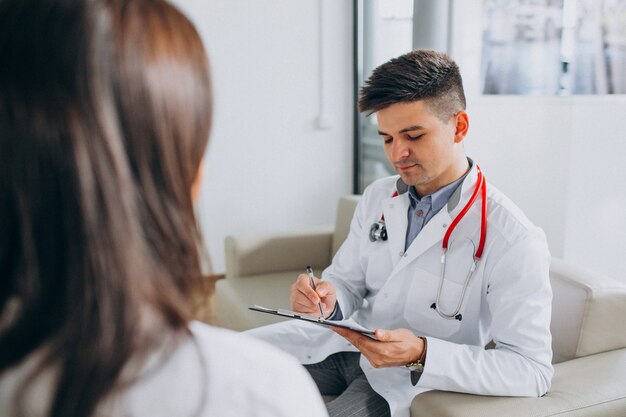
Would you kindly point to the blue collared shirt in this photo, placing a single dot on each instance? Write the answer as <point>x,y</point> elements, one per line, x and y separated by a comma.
<point>423,209</point>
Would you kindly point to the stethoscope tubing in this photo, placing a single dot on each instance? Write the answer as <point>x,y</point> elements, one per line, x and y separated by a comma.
<point>481,187</point>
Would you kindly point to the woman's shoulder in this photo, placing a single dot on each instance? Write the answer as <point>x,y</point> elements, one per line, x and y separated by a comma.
<point>254,377</point>
<point>220,372</point>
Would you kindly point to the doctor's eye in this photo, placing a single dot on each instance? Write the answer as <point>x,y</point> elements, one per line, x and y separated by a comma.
<point>387,140</point>
<point>418,137</point>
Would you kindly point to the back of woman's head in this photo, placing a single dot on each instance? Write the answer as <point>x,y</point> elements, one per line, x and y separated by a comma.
<point>105,112</point>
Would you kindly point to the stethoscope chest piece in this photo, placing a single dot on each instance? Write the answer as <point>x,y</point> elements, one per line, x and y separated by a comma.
<point>378,231</point>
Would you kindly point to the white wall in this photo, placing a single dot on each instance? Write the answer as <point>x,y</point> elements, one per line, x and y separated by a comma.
<point>561,159</point>
<point>269,167</point>
<point>596,205</point>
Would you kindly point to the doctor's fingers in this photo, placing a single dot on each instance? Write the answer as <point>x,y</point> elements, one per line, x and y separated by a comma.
<point>362,343</point>
<point>326,291</point>
<point>303,298</point>
<point>379,353</point>
<point>375,352</point>
<point>304,305</point>
<point>303,286</point>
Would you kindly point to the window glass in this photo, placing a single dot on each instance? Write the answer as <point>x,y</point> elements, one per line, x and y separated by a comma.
<point>386,32</point>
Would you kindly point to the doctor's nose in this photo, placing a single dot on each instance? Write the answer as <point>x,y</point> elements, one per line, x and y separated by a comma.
<point>399,150</point>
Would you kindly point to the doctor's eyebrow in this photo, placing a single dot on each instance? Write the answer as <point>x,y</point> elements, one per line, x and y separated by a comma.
<point>406,129</point>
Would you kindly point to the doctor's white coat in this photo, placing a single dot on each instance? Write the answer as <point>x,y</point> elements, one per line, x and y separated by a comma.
<point>380,285</point>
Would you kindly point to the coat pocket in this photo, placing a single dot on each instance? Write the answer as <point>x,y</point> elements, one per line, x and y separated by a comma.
<point>421,296</point>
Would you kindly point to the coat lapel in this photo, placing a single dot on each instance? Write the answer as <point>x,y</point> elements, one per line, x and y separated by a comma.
<point>395,210</point>
<point>431,234</point>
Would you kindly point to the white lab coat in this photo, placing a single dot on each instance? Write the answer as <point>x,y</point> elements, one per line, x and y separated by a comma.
<point>508,299</point>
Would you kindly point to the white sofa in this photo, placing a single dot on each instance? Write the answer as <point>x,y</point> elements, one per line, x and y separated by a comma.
<point>588,323</point>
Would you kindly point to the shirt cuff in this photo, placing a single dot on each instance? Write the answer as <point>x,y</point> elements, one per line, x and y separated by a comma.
<point>336,314</point>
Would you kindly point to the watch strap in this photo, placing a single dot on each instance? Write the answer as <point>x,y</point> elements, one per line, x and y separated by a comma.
<point>417,367</point>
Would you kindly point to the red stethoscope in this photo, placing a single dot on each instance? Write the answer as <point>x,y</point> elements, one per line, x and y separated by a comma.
<point>378,231</point>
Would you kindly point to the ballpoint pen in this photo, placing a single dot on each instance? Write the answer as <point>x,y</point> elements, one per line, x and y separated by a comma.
<point>309,272</point>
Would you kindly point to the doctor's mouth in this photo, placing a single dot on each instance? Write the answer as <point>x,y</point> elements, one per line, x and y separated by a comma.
<point>405,165</point>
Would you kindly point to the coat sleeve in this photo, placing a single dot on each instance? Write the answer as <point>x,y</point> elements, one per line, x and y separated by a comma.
<point>519,298</point>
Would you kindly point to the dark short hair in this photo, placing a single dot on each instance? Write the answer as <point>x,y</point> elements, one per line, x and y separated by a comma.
<point>419,75</point>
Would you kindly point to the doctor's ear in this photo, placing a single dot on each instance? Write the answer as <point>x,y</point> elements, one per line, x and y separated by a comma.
<point>461,122</point>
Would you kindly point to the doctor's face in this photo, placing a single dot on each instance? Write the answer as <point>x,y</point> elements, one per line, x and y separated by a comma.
<point>425,151</point>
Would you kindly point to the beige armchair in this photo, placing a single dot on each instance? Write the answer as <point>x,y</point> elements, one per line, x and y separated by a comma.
<point>261,268</point>
<point>588,323</point>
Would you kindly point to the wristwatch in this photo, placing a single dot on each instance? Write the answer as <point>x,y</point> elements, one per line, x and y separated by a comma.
<point>417,367</point>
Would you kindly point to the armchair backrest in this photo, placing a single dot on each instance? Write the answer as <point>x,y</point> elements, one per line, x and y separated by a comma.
<point>345,211</point>
<point>588,312</point>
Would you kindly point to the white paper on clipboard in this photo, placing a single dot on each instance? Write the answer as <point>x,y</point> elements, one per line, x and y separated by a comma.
<point>344,324</point>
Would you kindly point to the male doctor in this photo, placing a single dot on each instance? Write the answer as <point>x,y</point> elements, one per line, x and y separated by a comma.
<point>432,317</point>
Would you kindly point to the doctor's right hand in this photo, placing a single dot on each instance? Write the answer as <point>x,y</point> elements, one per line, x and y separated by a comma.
<point>304,299</point>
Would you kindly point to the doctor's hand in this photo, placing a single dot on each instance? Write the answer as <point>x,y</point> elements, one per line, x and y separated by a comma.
<point>304,299</point>
<point>392,347</point>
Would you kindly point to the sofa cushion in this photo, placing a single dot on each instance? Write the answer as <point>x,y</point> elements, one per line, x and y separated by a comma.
<point>589,386</point>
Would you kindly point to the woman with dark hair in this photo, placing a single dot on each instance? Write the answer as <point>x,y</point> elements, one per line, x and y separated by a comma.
<point>105,110</point>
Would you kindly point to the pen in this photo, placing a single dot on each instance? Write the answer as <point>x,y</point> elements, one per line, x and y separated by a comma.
<point>309,272</point>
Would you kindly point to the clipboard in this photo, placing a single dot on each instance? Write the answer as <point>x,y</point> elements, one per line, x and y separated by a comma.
<point>315,320</point>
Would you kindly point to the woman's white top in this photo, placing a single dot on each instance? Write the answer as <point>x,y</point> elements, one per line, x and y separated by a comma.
<point>215,373</point>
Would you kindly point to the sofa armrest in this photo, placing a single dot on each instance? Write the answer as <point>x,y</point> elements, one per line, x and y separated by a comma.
<point>257,254</point>
<point>589,386</point>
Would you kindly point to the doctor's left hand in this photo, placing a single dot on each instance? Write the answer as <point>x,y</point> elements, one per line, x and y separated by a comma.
<point>392,348</point>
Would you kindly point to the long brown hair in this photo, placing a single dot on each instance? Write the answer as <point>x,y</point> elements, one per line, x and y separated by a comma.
<point>105,111</point>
